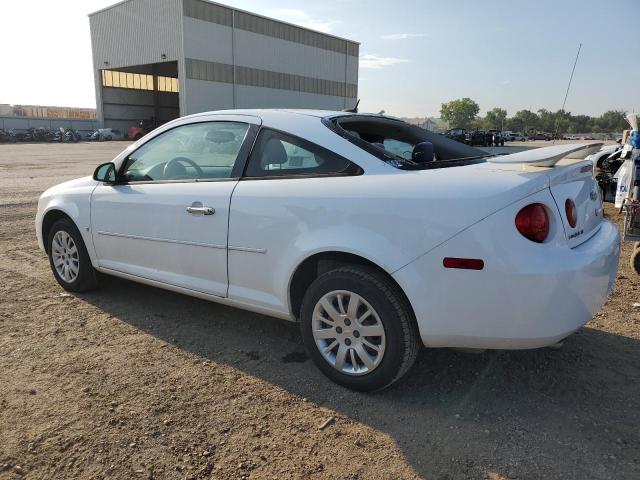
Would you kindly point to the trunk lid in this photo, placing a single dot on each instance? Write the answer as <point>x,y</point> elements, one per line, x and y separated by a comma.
<point>570,178</point>
<point>574,181</point>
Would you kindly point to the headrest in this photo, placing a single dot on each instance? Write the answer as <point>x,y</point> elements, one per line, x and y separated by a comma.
<point>422,152</point>
<point>273,153</point>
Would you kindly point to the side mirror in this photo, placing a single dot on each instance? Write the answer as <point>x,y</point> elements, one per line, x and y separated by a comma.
<point>619,141</point>
<point>105,173</point>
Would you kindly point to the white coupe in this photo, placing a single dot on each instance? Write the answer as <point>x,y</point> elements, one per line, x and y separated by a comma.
<point>375,235</point>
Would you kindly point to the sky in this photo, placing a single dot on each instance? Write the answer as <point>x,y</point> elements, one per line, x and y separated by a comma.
<point>414,54</point>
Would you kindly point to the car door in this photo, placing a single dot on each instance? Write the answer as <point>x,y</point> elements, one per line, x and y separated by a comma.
<point>166,218</point>
<point>286,195</point>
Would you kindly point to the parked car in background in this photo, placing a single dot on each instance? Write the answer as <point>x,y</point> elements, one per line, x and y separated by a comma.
<point>21,134</point>
<point>516,137</point>
<point>307,216</point>
<point>600,156</point>
<point>540,136</point>
<point>91,135</point>
<point>477,137</point>
<point>140,129</point>
<point>7,136</point>
<point>457,134</point>
<point>506,135</point>
<point>106,134</point>
<point>495,137</point>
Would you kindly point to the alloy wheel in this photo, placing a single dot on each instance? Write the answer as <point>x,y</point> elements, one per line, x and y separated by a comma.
<point>64,254</point>
<point>348,332</point>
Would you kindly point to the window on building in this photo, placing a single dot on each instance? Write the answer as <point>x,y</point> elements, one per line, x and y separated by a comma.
<point>138,81</point>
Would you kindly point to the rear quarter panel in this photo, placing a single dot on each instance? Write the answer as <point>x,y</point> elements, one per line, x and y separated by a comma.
<point>388,219</point>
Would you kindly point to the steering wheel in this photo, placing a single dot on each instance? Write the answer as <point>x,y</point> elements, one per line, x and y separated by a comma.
<point>173,166</point>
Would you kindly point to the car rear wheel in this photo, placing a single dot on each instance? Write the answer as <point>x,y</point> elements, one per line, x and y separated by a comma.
<point>358,328</point>
<point>68,257</point>
<point>634,261</point>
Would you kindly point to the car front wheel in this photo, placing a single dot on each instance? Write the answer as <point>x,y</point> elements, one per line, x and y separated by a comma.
<point>358,328</point>
<point>69,259</point>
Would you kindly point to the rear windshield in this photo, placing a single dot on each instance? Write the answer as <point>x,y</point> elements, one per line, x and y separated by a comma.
<point>403,145</point>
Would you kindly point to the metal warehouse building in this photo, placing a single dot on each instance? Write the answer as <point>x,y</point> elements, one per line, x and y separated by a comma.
<point>160,59</point>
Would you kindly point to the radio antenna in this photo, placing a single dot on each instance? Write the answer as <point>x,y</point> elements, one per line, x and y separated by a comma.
<point>555,133</point>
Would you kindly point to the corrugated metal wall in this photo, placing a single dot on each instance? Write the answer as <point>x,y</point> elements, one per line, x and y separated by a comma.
<point>226,58</point>
<point>7,123</point>
<point>137,32</point>
<point>270,63</point>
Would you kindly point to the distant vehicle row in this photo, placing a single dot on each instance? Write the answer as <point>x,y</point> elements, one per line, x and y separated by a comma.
<point>476,137</point>
<point>496,137</point>
<point>61,135</point>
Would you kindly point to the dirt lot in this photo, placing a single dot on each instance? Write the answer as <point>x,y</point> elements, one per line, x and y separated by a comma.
<point>135,382</point>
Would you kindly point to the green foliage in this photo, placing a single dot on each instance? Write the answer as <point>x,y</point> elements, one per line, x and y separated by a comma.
<point>495,119</point>
<point>459,113</point>
<point>526,120</point>
<point>612,121</point>
<point>463,113</point>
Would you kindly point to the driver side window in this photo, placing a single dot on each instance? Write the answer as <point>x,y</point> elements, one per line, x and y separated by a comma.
<point>198,151</point>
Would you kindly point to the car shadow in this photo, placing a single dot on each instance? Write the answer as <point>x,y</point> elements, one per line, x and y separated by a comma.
<point>571,413</point>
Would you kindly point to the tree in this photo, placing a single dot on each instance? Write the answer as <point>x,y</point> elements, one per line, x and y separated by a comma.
<point>495,118</point>
<point>563,122</point>
<point>459,113</point>
<point>612,121</point>
<point>582,124</point>
<point>546,120</point>
<point>526,119</point>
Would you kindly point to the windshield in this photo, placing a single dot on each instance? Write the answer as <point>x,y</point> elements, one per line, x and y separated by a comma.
<point>403,145</point>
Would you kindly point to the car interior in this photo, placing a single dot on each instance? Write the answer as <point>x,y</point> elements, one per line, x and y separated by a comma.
<point>202,151</point>
<point>404,145</point>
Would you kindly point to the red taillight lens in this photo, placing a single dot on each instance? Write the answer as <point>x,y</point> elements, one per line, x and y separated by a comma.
<point>533,222</point>
<point>572,213</point>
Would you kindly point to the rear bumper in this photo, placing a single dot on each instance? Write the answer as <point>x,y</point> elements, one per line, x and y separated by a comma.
<point>528,295</point>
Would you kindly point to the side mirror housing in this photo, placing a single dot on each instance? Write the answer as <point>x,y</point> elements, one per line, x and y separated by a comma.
<point>106,173</point>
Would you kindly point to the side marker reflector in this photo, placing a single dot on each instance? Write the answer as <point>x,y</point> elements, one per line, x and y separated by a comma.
<point>464,263</point>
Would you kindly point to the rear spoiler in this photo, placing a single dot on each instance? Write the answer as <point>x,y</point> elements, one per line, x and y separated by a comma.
<point>548,156</point>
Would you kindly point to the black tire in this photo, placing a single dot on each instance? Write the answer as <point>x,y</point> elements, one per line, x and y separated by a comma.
<point>400,329</point>
<point>86,278</point>
<point>635,260</point>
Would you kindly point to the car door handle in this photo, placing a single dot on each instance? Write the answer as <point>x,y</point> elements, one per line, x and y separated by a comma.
<point>201,210</point>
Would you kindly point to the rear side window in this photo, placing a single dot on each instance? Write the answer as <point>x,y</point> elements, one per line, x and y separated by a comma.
<point>277,154</point>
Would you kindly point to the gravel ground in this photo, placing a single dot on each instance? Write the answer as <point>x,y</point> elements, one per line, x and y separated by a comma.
<point>129,381</point>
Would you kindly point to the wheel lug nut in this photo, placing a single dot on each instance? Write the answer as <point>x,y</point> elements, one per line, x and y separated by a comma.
<point>338,330</point>
<point>347,322</point>
<point>356,333</point>
<point>347,341</point>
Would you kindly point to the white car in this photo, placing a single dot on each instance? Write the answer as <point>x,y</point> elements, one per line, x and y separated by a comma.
<point>598,157</point>
<point>377,236</point>
<point>518,137</point>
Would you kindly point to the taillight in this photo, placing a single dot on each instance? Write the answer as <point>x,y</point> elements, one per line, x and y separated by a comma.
<point>533,222</point>
<point>572,213</point>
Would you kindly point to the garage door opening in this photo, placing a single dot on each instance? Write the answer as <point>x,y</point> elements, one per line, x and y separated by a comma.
<point>139,98</point>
